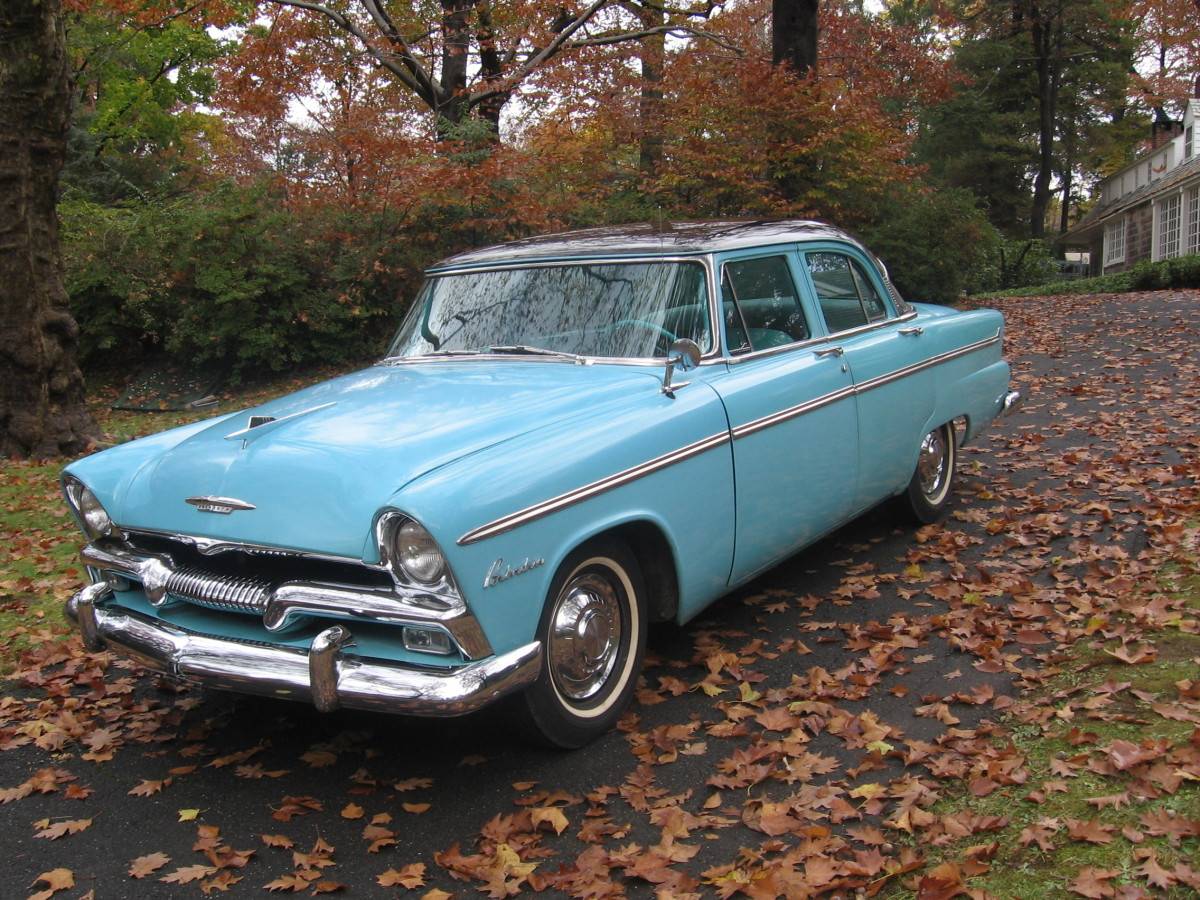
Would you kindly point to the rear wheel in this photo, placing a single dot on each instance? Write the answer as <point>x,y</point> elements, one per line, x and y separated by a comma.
<point>593,636</point>
<point>930,488</point>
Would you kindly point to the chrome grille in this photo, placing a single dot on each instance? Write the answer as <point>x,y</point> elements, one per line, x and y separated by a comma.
<point>225,592</point>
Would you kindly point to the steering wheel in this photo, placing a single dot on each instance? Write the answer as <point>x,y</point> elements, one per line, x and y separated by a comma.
<point>664,337</point>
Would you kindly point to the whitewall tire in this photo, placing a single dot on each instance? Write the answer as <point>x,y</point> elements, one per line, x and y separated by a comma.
<point>593,636</point>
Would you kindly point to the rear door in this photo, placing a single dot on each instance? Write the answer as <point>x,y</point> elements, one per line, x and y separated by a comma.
<point>882,349</point>
<point>792,413</point>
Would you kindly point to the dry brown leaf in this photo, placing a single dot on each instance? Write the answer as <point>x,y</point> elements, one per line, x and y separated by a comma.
<point>188,874</point>
<point>410,877</point>
<point>148,864</point>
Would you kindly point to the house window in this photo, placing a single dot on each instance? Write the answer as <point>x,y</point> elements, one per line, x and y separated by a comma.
<point>1168,227</point>
<point>1188,134</point>
<point>1193,220</point>
<point>1114,242</point>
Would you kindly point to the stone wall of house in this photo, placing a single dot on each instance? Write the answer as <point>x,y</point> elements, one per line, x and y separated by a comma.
<point>1140,234</point>
<point>1139,237</point>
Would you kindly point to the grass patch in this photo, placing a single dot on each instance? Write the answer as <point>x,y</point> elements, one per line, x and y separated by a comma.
<point>1083,715</point>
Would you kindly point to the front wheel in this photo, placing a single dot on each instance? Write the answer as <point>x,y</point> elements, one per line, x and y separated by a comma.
<point>929,490</point>
<point>593,636</point>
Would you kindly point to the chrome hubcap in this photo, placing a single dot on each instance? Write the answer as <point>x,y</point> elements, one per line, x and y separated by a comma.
<point>585,635</point>
<point>932,465</point>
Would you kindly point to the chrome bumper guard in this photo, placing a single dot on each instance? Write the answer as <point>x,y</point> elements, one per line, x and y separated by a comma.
<point>322,674</point>
<point>1009,403</point>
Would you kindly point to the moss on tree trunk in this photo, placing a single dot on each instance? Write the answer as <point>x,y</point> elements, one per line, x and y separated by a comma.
<point>42,410</point>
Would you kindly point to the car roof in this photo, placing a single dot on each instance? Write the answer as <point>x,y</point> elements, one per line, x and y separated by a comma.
<point>645,239</point>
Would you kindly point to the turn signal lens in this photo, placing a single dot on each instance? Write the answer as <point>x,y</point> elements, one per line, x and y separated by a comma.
<point>417,553</point>
<point>426,640</point>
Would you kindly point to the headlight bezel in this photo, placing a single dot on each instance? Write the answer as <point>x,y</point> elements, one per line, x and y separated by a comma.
<point>89,513</point>
<point>388,528</point>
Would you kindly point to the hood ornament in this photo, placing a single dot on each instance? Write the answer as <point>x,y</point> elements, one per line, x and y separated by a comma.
<point>220,505</point>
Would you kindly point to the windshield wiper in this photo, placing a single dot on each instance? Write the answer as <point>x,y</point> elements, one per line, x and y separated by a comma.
<point>391,360</point>
<point>523,349</point>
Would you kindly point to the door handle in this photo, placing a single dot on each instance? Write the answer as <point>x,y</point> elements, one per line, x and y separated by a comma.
<point>913,330</point>
<point>829,351</point>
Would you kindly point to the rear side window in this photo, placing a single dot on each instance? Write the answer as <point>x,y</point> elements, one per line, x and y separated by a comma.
<point>847,296</point>
<point>762,309</point>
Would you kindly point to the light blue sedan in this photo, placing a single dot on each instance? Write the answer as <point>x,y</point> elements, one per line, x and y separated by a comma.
<point>570,438</point>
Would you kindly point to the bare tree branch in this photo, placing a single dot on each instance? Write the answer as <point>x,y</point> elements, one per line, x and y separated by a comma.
<point>675,30</point>
<point>385,59</point>
<point>523,71</point>
<point>392,33</point>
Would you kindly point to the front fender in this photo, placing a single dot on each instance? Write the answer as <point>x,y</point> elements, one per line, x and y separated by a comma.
<point>689,500</point>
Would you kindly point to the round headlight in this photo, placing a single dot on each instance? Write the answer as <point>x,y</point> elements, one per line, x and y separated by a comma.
<point>417,553</point>
<point>95,519</point>
<point>92,516</point>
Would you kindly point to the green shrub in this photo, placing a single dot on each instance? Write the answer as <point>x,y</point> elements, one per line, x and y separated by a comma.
<point>1184,271</point>
<point>936,245</point>
<point>1148,276</point>
<point>1181,272</point>
<point>229,277</point>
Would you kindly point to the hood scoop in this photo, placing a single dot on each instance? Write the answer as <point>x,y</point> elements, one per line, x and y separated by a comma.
<point>260,425</point>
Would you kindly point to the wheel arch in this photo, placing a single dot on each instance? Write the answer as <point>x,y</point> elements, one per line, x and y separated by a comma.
<point>648,541</point>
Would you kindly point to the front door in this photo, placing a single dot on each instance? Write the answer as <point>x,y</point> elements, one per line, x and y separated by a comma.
<point>792,413</point>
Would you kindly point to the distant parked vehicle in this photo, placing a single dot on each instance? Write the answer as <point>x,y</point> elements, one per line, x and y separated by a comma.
<point>570,437</point>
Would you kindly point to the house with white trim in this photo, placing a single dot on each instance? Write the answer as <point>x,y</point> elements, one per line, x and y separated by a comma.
<point>1150,209</point>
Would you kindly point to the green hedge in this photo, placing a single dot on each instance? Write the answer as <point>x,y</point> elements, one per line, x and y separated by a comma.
<point>1181,272</point>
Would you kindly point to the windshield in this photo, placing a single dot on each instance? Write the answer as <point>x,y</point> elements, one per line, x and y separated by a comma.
<point>627,310</point>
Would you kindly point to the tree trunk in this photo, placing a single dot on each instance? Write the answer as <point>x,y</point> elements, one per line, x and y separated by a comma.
<point>794,34</point>
<point>492,68</point>
<point>42,409</point>
<point>651,55</point>
<point>1047,96</point>
<point>456,32</point>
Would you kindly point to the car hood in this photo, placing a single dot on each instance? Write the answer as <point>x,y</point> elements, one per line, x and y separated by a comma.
<point>317,479</point>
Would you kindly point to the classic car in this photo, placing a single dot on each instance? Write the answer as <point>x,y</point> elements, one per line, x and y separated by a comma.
<point>570,438</point>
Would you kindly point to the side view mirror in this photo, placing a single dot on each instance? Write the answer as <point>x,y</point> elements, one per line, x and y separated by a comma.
<point>685,354</point>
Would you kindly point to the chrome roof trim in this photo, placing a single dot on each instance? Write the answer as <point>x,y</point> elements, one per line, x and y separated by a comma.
<point>608,483</point>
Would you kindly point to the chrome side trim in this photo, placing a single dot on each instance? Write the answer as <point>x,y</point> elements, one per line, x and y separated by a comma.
<point>537,510</point>
<point>324,674</point>
<point>292,602</point>
<point>792,412</point>
<point>881,380</point>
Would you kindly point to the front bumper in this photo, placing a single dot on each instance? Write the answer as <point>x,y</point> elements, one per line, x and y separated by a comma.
<point>1009,403</point>
<point>323,674</point>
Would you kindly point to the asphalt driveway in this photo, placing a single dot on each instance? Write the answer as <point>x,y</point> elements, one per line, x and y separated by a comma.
<point>821,703</point>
